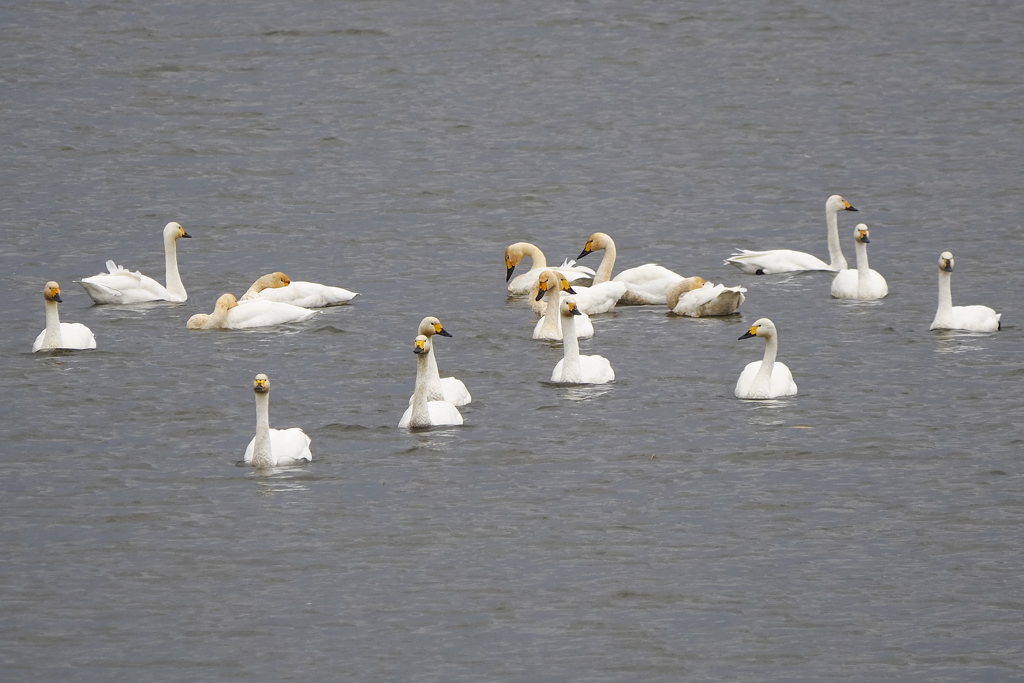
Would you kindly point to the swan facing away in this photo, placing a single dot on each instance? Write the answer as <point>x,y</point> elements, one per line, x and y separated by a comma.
<point>646,284</point>
<point>230,314</point>
<point>950,317</point>
<point>765,378</point>
<point>441,388</point>
<point>274,447</point>
<point>521,284</point>
<point>122,286</point>
<point>789,261</point>
<point>554,287</point>
<point>574,368</point>
<point>862,282</point>
<point>58,335</point>
<point>695,297</point>
<point>423,412</point>
<point>279,287</point>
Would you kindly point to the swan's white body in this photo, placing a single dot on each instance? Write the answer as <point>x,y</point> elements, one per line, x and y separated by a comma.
<point>274,447</point>
<point>441,388</point>
<point>574,368</point>
<point>950,317</point>
<point>423,412</point>
<point>646,284</point>
<point>58,335</point>
<point>522,284</point>
<point>789,261</point>
<point>279,287</point>
<point>230,314</point>
<point>554,287</point>
<point>765,378</point>
<point>861,283</point>
<point>697,298</point>
<point>122,286</point>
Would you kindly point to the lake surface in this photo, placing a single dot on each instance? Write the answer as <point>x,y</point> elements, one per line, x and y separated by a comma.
<point>655,528</point>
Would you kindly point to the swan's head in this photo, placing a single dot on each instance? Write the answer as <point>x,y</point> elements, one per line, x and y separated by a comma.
<point>272,281</point>
<point>761,328</point>
<point>430,326</point>
<point>596,242</point>
<point>836,203</point>
<point>261,385</point>
<point>226,301</point>
<point>860,234</point>
<point>569,307</point>
<point>946,262</point>
<point>515,253</point>
<point>175,231</point>
<point>554,281</point>
<point>421,344</point>
<point>51,292</point>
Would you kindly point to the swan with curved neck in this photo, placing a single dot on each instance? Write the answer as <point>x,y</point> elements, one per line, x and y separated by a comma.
<point>274,447</point>
<point>646,284</point>
<point>423,412</point>
<point>521,284</point>
<point>122,286</point>
<point>695,297</point>
<point>229,314</point>
<point>441,389</point>
<point>861,283</point>
<point>281,288</point>
<point>574,368</point>
<point>553,287</point>
<point>949,317</point>
<point>765,378</point>
<point>58,335</point>
<point>789,261</point>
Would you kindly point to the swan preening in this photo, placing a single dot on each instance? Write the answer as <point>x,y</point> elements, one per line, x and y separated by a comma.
<point>522,284</point>
<point>646,284</point>
<point>423,412</point>
<point>230,314</point>
<point>697,298</point>
<point>58,335</point>
<point>440,388</point>
<point>279,287</point>
<point>787,260</point>
<point>574,368</point>
<point>765,378</point>
<point>122,286</point>
<point>861,282</point>
<point>950,317</point>
<point>274,447</point>
<point>553,286</point>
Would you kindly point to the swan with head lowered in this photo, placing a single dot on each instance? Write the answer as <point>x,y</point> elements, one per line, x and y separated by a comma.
<point>229,314</point>
<point>861,282</point>
<point>440,388</point>
<point>58,335</point>
<point>950,317</point>
<point>521,284</point>
<point>279,287</point>
<point>695,297</point>
<point>554,287</point>
<point>423,412</point>
<point>646,284</point>
<point>766,378</point>
<point>789,261</point>
<point>274,447</point>
<point>122,286</point>
<point>574,368</point>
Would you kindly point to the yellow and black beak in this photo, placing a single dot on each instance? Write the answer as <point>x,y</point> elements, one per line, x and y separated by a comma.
<point>439,329</point>
<point>586,250</point>
<point>420,347</point>
<point>752,332</point>
<point>510,266</point>
<point>947,265</point>
<point>848,206</point>
<point>260,386</point>
<point>542,289</point>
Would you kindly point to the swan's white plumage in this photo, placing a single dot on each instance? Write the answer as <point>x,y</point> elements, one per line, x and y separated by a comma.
<point>697,298</point>
<point>765,378</point>
<point>862,282</point>
<point>522,284</point>
<point>949,317</point>
<point>574,368</point>
<point>554,287</point>
<point>58,335</point>
<point>441,388</point>
<point>230,314</point>
<point>645,285</point>
<point>274,447</point>
<point>279,287</point>
<point>122,286</point>
<point>423,412</point>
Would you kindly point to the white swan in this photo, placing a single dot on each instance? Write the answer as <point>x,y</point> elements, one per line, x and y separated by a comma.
<point>522,284</point>
<point>274,447</point>
<point>279,287</point>
<point>229,314</point>
<point>646,284</point>
<point>554,286</point>
<point>950,317</point>
<point>697,298</point>
<point>765,378</point>
<point>58,335</point>
<point>441,388</point>
<point>423,412</point>
<point>122,286</point>
<point>574,368</point>
<point>787,260</point>
<point>861,283</point>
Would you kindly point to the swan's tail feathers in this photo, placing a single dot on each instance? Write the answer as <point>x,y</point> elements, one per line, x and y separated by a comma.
<point>571,263</point>
<point>115,269</point>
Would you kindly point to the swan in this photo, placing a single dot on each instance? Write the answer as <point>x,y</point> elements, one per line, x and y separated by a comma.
<point>522,284</point>
<point>58,335</point>
<point>122,286</point>
<point>860,283</point>
<point>279,287</point>
<point>441,389</point>
<point>765,378</point>
<point>789,261</point>
<point>646,284</point>
<point>554,285</point>
<point>229,314</point>
<point>424,412</point>
<point>950,317</point>
<point>574,368</point>
<point>274,447</point>
<point>697,298</point>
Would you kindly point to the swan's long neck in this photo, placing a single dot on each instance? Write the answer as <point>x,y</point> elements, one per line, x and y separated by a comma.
<point>173,279</point>
<point>535,254</point>
<point>434,392</point>
<point>945,294</point>
<point>420,416</point>
<point>763,379</point>
<point>835,248</point>
<point>552,314</point>
<point>862,261</point>
<point>218,319</point>
<point>261,455</point>
<point>52,338</point>
<point>571,371</point>
<point>604,271</point>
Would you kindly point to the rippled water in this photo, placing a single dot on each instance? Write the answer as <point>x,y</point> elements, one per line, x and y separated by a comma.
<point>652,529</point>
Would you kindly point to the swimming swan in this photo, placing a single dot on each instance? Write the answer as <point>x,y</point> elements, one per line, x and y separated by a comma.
<point>58,335</point>
<point>950,317</point>
<point>274,447</point>
<point>789,261</point>
<point>574,368</point>
<point>441,388</point>
<point>423,412</point>
<point>646,284</point>
<point>860,283</point>
<point>229,314</point>
<point>765,378</point>
<point>279,287</point>
<point>554,286</point>
<point>695,297</point>
<point>122,286</point>
<point>522,284</point>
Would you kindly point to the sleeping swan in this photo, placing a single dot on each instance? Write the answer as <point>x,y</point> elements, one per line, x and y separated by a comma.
<point>950,317</point>
<point>574,368</point>
<point>274,447</point>
<point>279,287</point>
<point>554,285</point>
<point>441,389</point>
<point>122,286</point>
<point>58,335</point>
<point>423,412</point>
<point>229,314</point>
<point>862,283</point>
<point>646,284</point>
<point>789,261</point>
<point>695,297</point>
<point>765,378</point>
<point>522,284</point>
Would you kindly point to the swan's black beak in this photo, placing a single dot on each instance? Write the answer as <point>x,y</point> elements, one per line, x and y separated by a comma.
<point>849,208</point>
<point>575,311</point>
<point>571,290</point>
<point>747,335</point>
<point>508,275</point>
<point>444,333</point>
<point>540,293</point>
<point>56,297</point>
<point>947,266</point>
<point>865,240</point>
<point>586,250</point>
<point>185,234</point>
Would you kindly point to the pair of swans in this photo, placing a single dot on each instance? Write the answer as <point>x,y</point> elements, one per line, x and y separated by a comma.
<point>58,335</point>
<point>230,314</point>
<point>522,284</point>
<point>553,287</point>
<point>122,286</point>
<point>274,447</point>
<point>574,368</point>
<point>950,317</point>
<point>440,388</point>
<point>766,378</point>
<point>424,411</point>
<point>281,288</point>
<point>861,282</point>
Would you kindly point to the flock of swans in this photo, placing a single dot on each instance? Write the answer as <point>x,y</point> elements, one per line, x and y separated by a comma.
<point>557,294</point>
